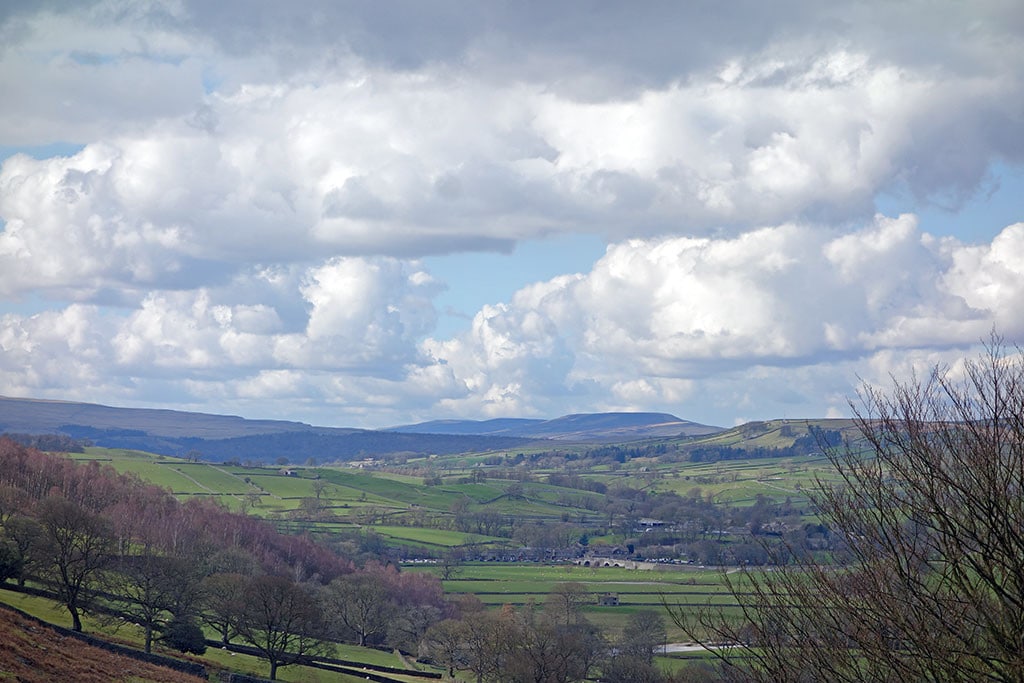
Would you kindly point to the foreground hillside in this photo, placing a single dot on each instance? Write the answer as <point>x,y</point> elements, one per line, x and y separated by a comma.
<point>32,652</point>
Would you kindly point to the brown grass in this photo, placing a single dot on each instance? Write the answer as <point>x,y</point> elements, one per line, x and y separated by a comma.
<point>31,653</point>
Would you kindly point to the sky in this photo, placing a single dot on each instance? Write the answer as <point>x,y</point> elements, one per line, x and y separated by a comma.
<point>374,213</point>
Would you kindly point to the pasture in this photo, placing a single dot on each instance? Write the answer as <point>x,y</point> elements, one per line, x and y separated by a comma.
<point>403,511</point>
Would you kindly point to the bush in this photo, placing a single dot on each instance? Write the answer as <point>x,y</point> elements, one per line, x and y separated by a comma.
<point>184,635</point>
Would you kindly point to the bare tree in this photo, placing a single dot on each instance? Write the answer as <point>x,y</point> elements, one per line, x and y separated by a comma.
<point>282,620</point>
<point>930,508</point>
<point>450,563</point>
<point>642,636</point>
<point>362,602</point>
<point>223,601</point>
<point>444,644</point>
<point>565,601</point>
<point>546,651</point>
<point>76,547</point>
<point>148,585</point>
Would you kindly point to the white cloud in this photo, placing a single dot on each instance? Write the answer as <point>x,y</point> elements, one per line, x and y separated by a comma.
<point>660,321</point>
<point>372,162</point>
<point>780,316</point>
<point>254,183</point>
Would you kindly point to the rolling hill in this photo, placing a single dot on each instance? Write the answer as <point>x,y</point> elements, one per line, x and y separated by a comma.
<point>223,437</point>
<point>606,427</point>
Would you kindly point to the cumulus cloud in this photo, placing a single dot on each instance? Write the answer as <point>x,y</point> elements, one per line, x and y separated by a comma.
<point>783,316</point>
<point>662,321</point>
<point>410,164</point>
<point>247,190</point>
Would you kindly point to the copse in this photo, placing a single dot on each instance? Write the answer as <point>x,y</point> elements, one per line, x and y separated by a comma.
<point>930,508</point>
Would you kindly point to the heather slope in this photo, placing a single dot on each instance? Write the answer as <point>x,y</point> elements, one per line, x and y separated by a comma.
<point>35,653</point>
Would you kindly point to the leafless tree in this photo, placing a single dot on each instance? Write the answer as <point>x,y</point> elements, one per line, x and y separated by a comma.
<point>75,548</point>
<point>930,511</point>
<point>148,585</point>
<point>362,603</point>
<point>282,620</point>
<point>565,601</point>
<point>223,601</point>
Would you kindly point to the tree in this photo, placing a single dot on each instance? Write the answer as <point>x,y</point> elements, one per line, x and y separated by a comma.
<point>450,563</point>
<point>11,564</point>
<point>149,585</point>
<point>12,501</point>
<point>565,601</point>
<point>642,635</point>
<point>545,651</point>
<point>362,602</point>
<point>184,635</point>
<point>489,640</point>
<point>443,644</point>
<point>282,620</point>
<point>25,536</point>
<point>223,601</point>
<point>77,547</point>
<point>930,510</point>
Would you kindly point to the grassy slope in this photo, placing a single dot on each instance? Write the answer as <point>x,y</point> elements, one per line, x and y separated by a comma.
<point>214,658</point>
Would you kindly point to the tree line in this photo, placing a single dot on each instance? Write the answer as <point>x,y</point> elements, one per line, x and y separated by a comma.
<point>112,545</point>
<point>549,643</point>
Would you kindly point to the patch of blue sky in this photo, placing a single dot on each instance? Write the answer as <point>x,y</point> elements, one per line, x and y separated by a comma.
<point>91,58</point>
<point>47,151</point>
<point>27,305</point>
<point>993,206</point>
<point>475,279</point>
<point>212,80</point>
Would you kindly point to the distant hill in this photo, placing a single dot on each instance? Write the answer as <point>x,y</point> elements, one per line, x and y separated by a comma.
<point>502,426</point>
<point>772,438</point>
<point>224,437</point>
<point>37,416</point>
<point>602,427</point>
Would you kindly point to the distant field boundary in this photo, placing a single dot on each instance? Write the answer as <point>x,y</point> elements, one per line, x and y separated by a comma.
<point>189,668</point>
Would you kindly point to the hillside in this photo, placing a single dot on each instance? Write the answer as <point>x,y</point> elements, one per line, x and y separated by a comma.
<point>223,437</point>
<point>34,653</point>
<point>226,437</point>
<point>770,438</point>
<point>603,427</point>
<point>37,416</point>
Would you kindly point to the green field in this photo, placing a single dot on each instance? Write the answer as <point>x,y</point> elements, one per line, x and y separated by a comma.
<point>404,512</point>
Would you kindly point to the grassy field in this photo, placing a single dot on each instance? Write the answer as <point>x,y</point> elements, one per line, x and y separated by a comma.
<point>737,482</point>
<point>498,584</point>
<point>403,511</point>
<point>214,658</point>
